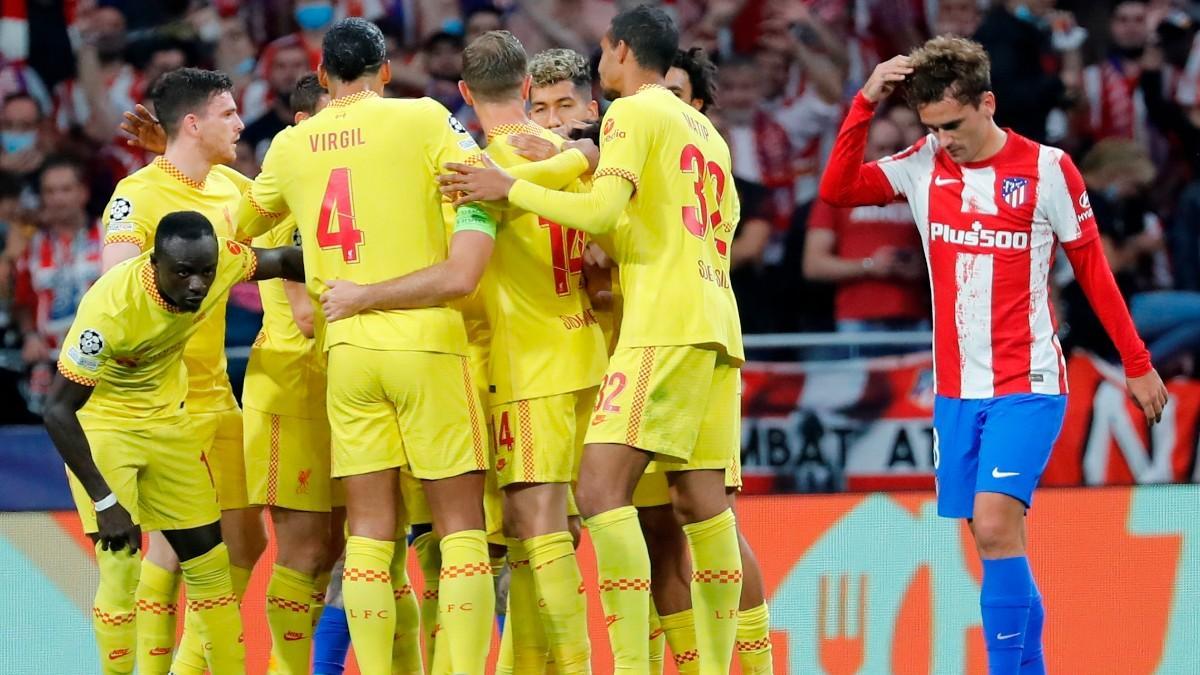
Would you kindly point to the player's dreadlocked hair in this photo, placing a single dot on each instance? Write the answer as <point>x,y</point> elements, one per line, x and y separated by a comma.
<point>949,67</point>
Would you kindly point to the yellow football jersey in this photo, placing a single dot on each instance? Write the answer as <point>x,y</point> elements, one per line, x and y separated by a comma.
<point>673,254</point>
<point>360,177</point>
<point>127,341</point>
<point>546,339</point>
<point>286,372</point>
<point>139,201</point>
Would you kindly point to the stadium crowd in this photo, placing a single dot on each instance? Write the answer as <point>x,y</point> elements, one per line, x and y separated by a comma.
<point>1116,84</point>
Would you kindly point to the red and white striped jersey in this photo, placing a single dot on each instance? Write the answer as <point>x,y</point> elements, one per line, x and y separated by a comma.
<point>989,230</point>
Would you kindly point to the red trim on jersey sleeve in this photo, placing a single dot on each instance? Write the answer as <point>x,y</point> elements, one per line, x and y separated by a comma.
<point>1096,279</point>
<point>847,181</point>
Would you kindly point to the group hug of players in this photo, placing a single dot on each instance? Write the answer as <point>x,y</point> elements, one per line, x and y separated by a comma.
<point>470,349</point>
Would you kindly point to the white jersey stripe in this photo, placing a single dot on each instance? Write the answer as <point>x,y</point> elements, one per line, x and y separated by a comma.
<point>973,322</point>
<point>979,191</point>
<point>1043,356</point>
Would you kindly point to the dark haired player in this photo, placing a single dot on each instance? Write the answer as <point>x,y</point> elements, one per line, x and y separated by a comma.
<point>199,116</point>
<point>671,390</point>
<point>991,207</point>
<point>116,411</point>
<point>360,179</point>
<point>693,78</point>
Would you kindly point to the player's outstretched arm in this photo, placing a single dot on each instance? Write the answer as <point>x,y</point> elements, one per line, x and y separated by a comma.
<point>455,277</point>
<point>285,262</point>
<point>594,212</point>
<point>64,400</point>
<point>845,182</point>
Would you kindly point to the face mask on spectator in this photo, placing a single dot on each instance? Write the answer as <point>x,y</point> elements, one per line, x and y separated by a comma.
<point>17,141</point>
<point>1131,53</point>
<point>315,16</point>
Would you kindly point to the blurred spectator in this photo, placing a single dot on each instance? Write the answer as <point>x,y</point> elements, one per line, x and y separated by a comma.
<point>18,78</point>
<point>105,85</point>
<point>481,20</point>
<point>574,24</point>
<point>1113,98</point>
<point>14,234</point>
<point>873,255</point>
<point>909,123</point>
<point>313,19</point>
<point>60,263</point>
<point>1016,35</point>
<point>287,66</point>
<point>24,140</point>
<point>960,18</point>
<point>1117,173</point>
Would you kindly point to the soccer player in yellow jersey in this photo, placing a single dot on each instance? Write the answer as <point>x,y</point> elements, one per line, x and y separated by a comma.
<point>547,354</point>
<point>287,441</point>
<point>196,108</point>
<point>670,393</point>
<point>360,179</point>
<point>116,410</point>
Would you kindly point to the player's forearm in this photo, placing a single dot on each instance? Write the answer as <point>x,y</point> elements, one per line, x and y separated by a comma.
<point>429,287</point>
<point>301,306</point>
<point>555,173</point>
<point>595,212</point>
<point>1100,288</point>
<point>844,182</point>
<point>285,262</point>
<point>62,424</point>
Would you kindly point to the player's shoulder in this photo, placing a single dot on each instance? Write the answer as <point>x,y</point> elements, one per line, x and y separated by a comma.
<point>502,152</point>
<point>137,196</point>
<point>229,177</point>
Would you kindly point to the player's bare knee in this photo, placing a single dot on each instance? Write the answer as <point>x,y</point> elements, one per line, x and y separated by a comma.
<point>194,542</point>
<point>575,527</point>
<point>996,536</point>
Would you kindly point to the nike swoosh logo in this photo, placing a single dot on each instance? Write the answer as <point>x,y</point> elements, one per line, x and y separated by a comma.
<point>939,181</point>
<point>1001,636</point>
<point>997,473</point>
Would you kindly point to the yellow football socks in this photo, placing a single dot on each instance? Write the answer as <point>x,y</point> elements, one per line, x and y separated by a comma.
<point>370,604</point>
<point>157,608</point>
<point>113,609</point>
<point>289,618</point>
<point>561,602</point>
<point>214,609</point>
<point>406,645</point>
<point>623,567</point>
<point>658,641</point>
<point>754,641</point>
<point>716,588</point>
<point>529,643</point>
<point>466,600</point>
<point>429,557</point>
<point>680,628</point>
<point>190,658</point>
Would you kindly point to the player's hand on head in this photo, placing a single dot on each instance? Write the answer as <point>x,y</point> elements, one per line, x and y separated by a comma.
<point>117,529</point>
<point>1149,392</point>
<point>146,131</point>
<point>487,183</point>
<point>885,77</point>
<point>342,299</point>
<point>533,148</point>
<point>589,150</point>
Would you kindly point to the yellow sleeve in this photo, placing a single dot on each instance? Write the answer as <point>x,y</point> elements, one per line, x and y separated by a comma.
<point>555,173</point>
<point>263,205</point>
<point>234,176</point>
<point>448,140</point>
<point>129,217</point>
<point>88,344</point>
<point>594,212</point>
<point>624,142</point>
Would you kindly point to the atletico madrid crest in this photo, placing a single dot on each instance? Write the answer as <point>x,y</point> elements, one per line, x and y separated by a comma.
<point>1013,191</point>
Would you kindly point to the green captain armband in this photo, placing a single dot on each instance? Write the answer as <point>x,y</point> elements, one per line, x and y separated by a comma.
<point>472,217</point>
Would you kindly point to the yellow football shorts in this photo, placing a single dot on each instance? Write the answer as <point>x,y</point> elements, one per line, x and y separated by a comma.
<point>540,440</point>
<point>389,409</point>
<point>287,461</point>
<point>158,475</point>
<point>220,435</point>
<point>653,490</point>
<point>678,402</point>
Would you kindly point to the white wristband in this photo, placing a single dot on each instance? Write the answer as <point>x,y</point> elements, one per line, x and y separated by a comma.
<point>106,503</point>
